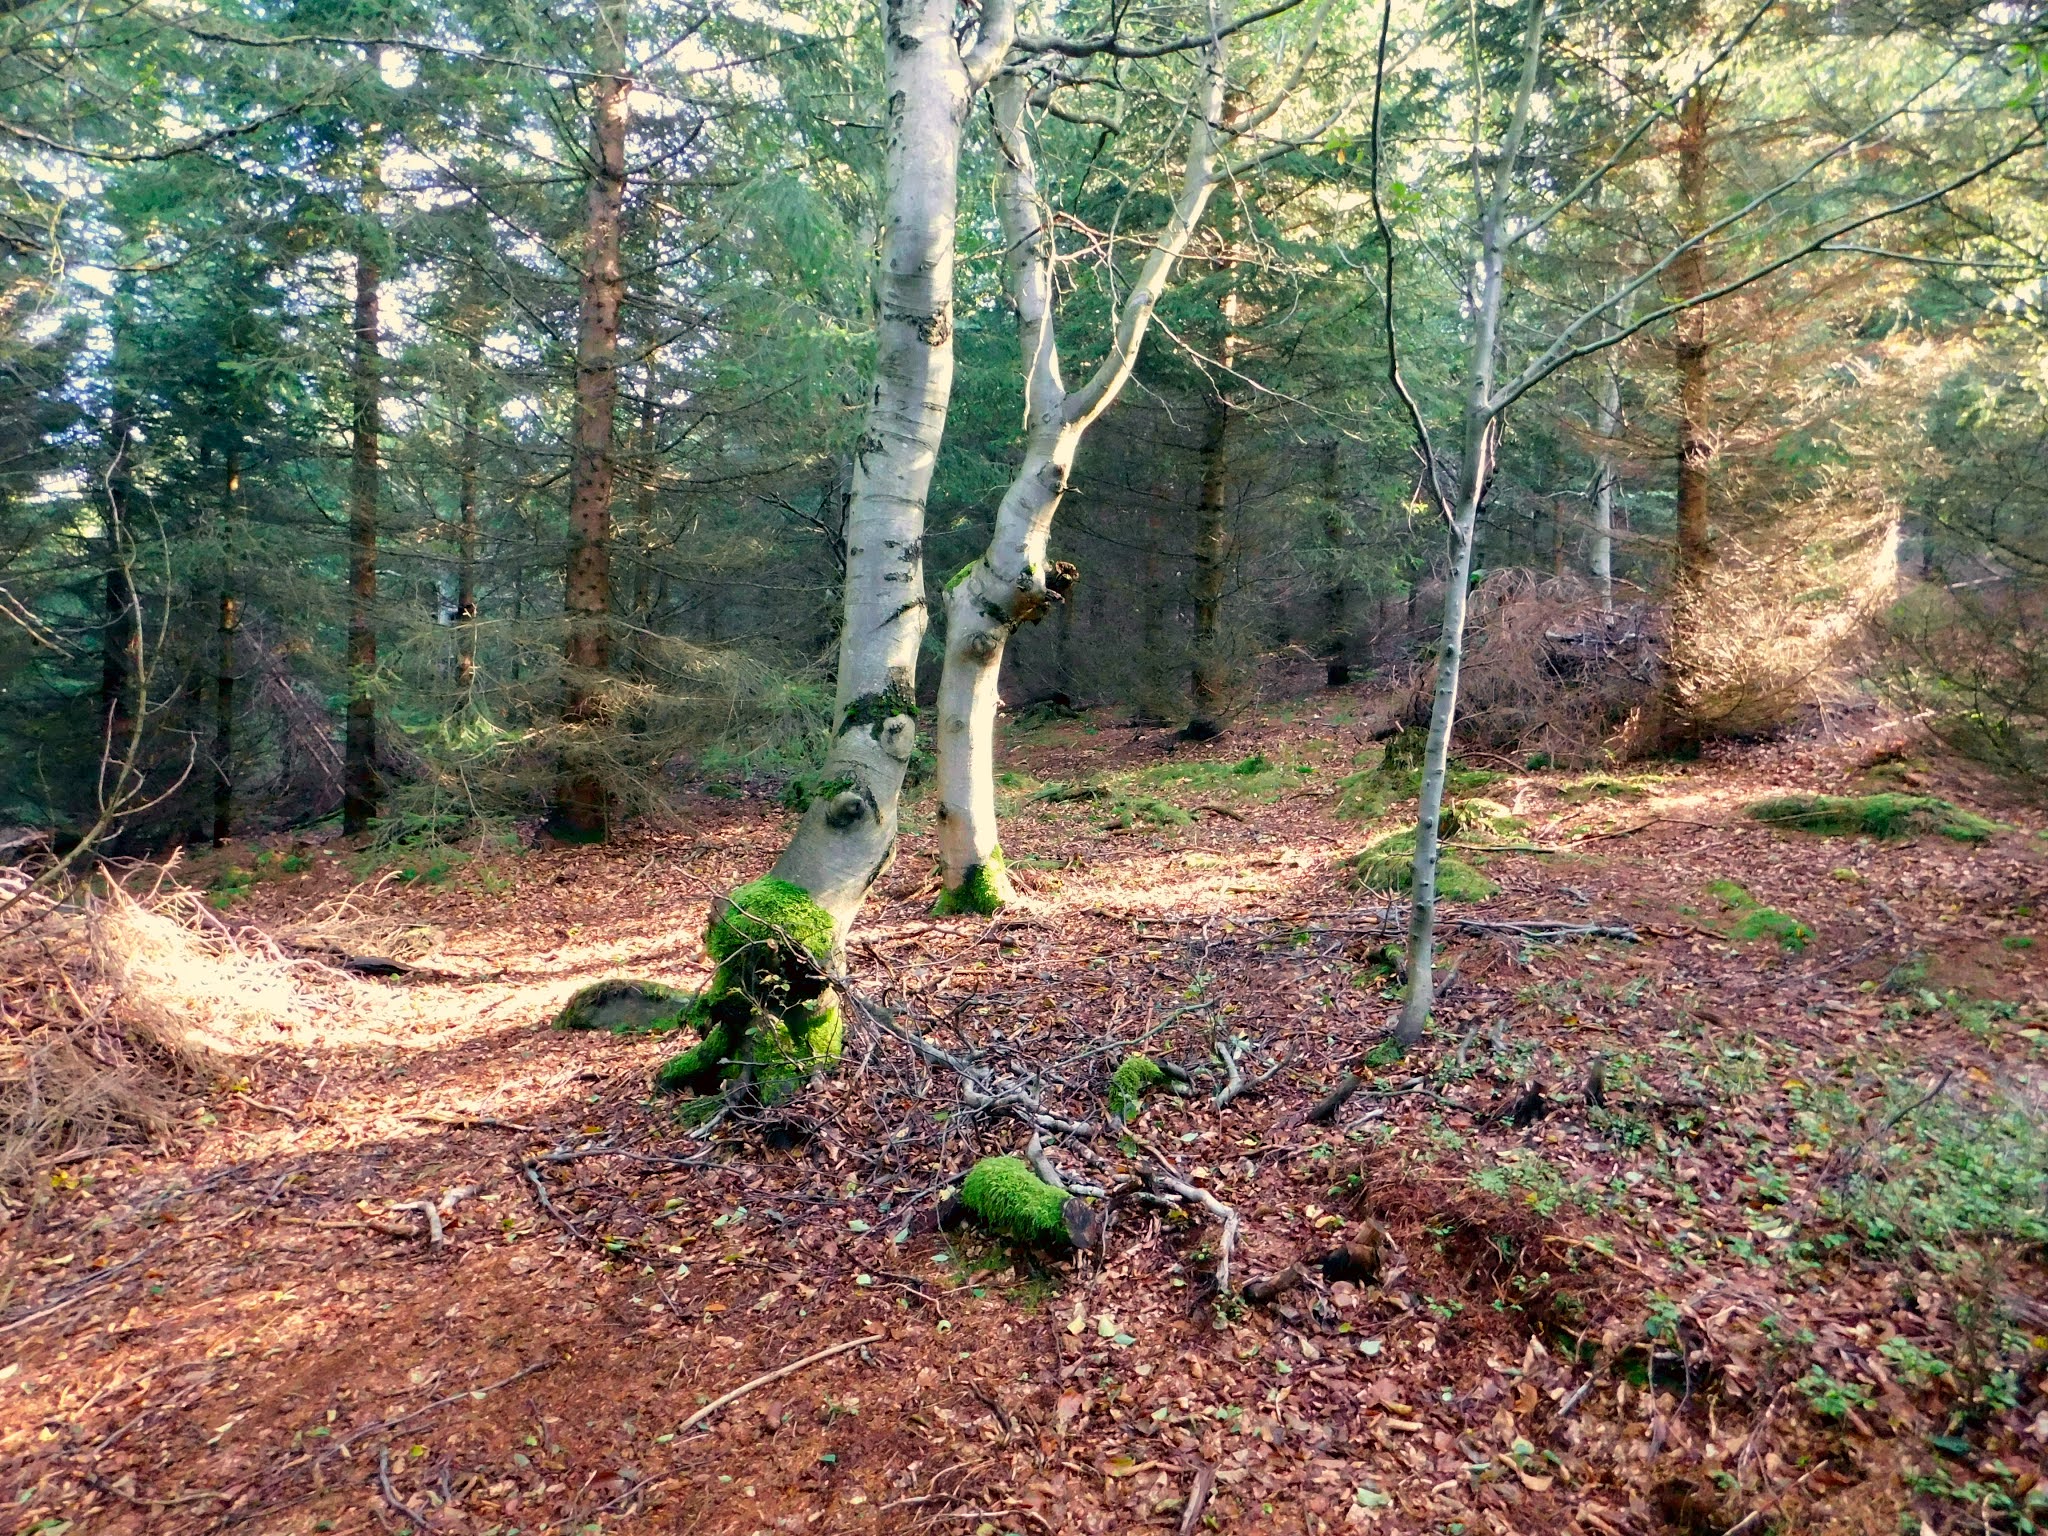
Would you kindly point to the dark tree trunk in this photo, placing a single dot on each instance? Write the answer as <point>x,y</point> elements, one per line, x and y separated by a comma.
<point>646,473</point>
<point>466,530</point>
<point>1695,433</point>
<point>224,668</point>
<point>581,803</point>
<point>1212,548</point>
<point>121,636</point>
<point>361,790</point>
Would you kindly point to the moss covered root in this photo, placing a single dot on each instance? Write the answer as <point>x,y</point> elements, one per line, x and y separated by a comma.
<point>1883,816</point>
<point>1005,1196</point>
<point>626,1007</point>
<point>769,1015</point>
<point>1128,1085</point>
<point>983,891</point>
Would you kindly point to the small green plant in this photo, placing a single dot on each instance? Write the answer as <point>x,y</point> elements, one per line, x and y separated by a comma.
<point>1831,1397</point>
<point>1912,1364</point>
<point>1882,816</point>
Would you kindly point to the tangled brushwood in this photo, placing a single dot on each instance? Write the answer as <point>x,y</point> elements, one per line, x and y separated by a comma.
<point>117,1007</point>
<point>1546,672</point>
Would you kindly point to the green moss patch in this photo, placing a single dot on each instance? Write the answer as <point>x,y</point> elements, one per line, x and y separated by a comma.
<point>983,890</point>
<point>627,1007</point>
<point>1129,1083</point>
<point>1883,816</point>
<point>769,1014</point>
<point>1387,865</point>
<point>1397,776</point>
<point>1754,921</point>
<point>1006,1197</point>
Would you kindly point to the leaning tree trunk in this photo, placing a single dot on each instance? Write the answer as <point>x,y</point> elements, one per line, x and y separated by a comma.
<point>1606,423</point>
<point>1011,583</point>
<point>361,790</point>
<point>581,802</point>
<point>1211,680</point>
<point>769,1017</point>
<point>1479,440</point>
<point>224,665</point>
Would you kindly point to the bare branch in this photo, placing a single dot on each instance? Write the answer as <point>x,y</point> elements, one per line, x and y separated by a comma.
<point>1113,45</point>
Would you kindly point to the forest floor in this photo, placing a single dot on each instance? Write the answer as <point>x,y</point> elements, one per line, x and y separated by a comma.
<point>1787,1274</point>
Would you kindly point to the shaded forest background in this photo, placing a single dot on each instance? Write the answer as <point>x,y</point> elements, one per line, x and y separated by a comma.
<point>194,216</point>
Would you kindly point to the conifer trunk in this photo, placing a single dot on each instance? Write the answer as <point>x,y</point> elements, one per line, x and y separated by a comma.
<point>581,807</point>
<point>224,668</point>
<point>470,452</point>
<point>121,632</point>
<point>361,791</point>
<point>1694,550</point>
<point>1211,680</point>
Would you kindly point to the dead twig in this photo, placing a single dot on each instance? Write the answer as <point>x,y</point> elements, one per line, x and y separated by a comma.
<point>776,1375</point>
<point>391,1497</point>
<point>1198,1500</point>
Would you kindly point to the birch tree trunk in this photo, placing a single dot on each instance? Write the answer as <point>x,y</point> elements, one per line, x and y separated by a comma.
<point>1607,423</point>
<point>361,790</point>
<point>224,663</point>
<point>1011,583</point>
<point>581,802</point>
<point>1479,438</point>
<point>848,835</point>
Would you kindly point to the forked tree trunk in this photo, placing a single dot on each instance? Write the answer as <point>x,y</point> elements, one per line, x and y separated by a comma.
<point>1607,423</point>
<point>1011,583</point>
<point>1211,680</point>
<point>848,836</point>
<point>470,451</point>
<point>581,803</point>
<point>224,666</point>
<point>361,790</point>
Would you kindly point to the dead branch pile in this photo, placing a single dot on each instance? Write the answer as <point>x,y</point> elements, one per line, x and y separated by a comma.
<point>1545,670</point>
<point>116,1007</point>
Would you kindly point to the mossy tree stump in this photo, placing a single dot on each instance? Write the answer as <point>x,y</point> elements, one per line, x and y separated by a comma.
<point>769,1020</point>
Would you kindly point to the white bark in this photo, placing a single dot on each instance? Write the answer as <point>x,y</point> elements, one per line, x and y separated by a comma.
<point>1479,438</point>
<point>1607,423</point>
<point>848,837</point>
<point>1010,584</point>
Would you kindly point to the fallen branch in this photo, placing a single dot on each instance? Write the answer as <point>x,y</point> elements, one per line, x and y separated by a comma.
<point>1239,1084</point>
<point>1223,1213</point>
<point>391,1497</point>
<point>1326,1108</point>
<point>776,1375</point>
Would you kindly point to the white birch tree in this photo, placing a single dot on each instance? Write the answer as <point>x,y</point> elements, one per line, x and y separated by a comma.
<point>1011,583</point>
